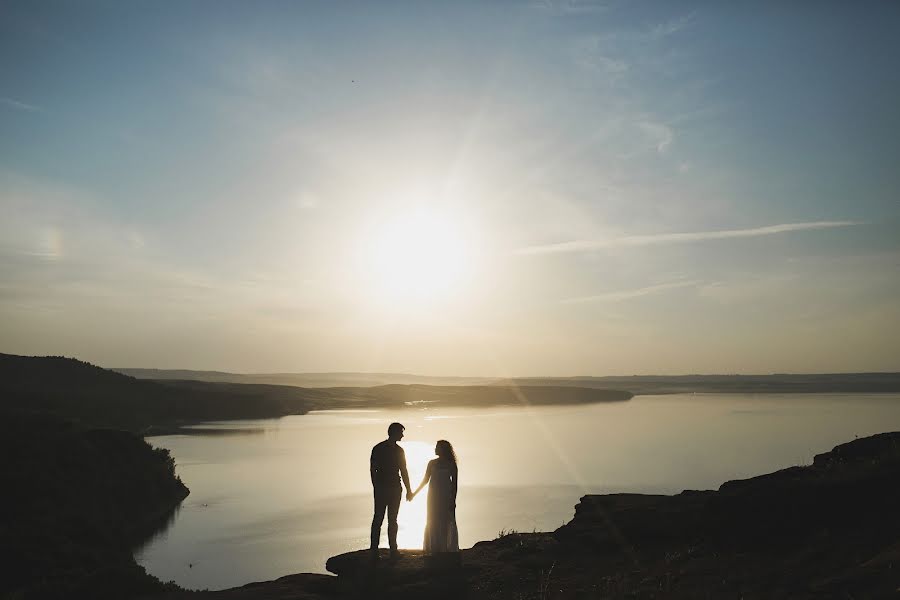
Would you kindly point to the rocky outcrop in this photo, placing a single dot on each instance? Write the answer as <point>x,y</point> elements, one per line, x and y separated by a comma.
<point>303,586</point>
<point>828,530</point>
<point>825,529</point>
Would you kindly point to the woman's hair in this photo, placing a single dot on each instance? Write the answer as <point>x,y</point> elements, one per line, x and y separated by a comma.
<point>444,449</point>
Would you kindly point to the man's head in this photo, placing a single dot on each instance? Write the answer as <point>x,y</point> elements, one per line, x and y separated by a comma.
<point>395,432</point>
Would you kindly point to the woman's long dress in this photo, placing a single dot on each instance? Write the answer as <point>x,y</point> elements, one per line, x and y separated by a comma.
<point>441,534</point>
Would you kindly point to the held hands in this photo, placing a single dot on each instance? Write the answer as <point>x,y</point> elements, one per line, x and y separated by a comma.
<point>410,496</point>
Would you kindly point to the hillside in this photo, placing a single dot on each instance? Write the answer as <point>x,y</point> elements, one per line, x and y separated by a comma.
<point>77,390</point>
<point>75,502</point>
<point>313,380</point>
<point>102,398</point>
<point>472,396</point>
<point>823,383</point>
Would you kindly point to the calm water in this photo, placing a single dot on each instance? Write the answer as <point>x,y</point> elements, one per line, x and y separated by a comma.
<point>274,497</point>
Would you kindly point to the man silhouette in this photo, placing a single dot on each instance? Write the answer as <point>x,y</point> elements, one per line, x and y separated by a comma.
<point>386,466</point>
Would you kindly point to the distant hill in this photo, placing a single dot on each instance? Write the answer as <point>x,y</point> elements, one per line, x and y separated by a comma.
<point>97,397</point>
<point>637,384</point>
<point>313,380</point>
<point>747,384</point>
<point>471,395</point>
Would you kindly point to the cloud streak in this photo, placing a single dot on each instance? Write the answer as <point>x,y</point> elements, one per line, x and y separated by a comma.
<point>571,7</point>
<point>629,294</point>
<point>672,27</point>
<point>15,104</point>
<point>679,238</point>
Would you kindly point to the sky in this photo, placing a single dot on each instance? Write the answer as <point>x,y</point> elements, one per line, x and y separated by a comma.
<point>452,188</point>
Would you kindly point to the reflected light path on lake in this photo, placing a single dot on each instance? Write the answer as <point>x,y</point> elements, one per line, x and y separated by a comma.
<point>280,496</point>
<point>411,519</point>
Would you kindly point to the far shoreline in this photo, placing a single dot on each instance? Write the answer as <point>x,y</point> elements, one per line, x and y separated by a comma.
<point>195,429</point>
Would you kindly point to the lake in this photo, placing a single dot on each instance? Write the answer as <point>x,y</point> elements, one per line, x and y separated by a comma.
<point>280,496</point>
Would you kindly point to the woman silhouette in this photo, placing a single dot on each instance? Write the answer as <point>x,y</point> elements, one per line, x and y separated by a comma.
<point>441,534</point>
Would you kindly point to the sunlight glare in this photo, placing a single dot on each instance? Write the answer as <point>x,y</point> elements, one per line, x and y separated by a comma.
<point>417,257</point>
<point>411,519</point>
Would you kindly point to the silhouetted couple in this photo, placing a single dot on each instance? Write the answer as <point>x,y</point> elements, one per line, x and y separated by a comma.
<point>388,467</point>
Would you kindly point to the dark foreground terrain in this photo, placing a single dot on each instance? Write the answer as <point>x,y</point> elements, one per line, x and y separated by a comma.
<point>74,502</point>
<point>828,530</point>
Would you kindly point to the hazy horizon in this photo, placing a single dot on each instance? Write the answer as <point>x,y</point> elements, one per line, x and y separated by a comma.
<point>452,189</point>
<point>489,376</point>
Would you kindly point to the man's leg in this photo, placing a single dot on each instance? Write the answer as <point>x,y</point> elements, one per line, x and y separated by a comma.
<point>393,508</point>
<point>378,518</point>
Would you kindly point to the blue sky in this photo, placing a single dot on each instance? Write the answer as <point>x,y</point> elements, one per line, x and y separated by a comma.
<point>599,187</point>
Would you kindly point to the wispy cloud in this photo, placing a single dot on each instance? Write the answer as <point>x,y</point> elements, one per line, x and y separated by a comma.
<point>591,52</point>
<point>680,238</point>
<point>15,104</point>
<point>571,7</point>
<point>620,295</point>
<point>661,135</point>
<point>671,27</point>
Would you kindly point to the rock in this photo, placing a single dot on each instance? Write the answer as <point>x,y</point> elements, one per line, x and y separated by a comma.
<point>877,448</point>
<point>303,586</point>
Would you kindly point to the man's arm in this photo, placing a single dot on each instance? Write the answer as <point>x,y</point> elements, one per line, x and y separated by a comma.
<point>404,473</point>
<point>373,467</point>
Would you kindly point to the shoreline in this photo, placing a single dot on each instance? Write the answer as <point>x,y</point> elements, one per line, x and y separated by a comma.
<point>192,427</point>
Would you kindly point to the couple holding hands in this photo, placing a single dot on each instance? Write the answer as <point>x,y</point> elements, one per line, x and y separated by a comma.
<point>388,466</point>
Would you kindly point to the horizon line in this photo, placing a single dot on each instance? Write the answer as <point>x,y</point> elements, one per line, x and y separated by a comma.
<point>494,377</point>
<point>510,377</point>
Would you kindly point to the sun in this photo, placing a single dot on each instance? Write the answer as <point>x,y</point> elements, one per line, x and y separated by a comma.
<point>416,257</point>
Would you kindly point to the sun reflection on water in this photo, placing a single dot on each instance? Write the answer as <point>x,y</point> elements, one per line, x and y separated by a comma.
<point>412,514</point>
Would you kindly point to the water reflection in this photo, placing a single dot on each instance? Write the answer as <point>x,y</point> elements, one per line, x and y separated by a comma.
<point>157,530</point>
<point>283,500</point>
<point>222,431</point>
<point>411,518</point>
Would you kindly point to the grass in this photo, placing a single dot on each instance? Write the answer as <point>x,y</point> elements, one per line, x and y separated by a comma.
<point>505,533</point>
